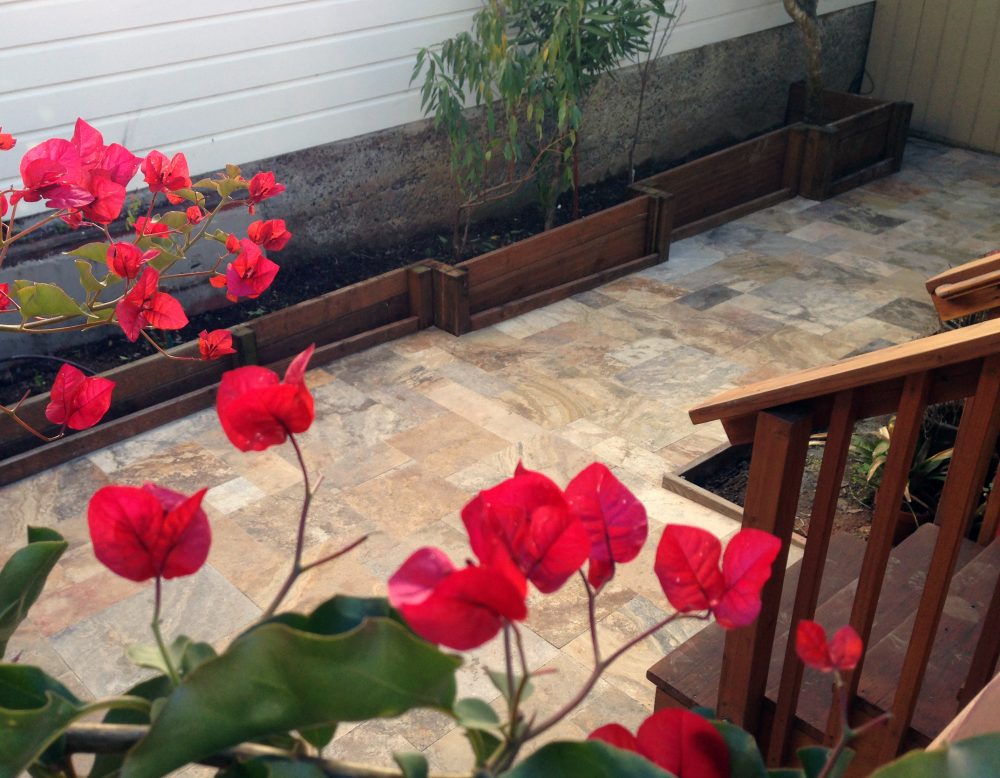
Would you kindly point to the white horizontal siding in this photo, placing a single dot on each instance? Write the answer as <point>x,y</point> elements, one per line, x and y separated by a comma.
<point>238,80</point>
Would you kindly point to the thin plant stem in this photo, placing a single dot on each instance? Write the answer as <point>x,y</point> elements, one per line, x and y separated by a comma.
<point>175,679</point>
<point>12,413</point>
<point>592,617</point>
<point>335,555</point>
<point>595,676</point>
<point>167,354</point>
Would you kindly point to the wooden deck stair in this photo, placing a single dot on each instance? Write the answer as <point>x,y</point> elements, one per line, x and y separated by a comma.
<point>690,675</point>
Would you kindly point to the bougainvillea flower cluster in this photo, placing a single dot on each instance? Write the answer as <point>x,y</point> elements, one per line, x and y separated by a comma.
<point>144,305</point>
<point>681,742</point>
<point>125,260</point>
<point>840,654</point>
<point>687,564</point>
<point>258,410</point>
<point>166,175</point>
<point>148,532</point>
<point>249,275</point>
<point>78,401</point>
<point>215,344</point>
<point>81,174</point>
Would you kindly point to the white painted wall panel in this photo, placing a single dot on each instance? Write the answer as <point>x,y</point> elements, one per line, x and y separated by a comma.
<point>238,80</point>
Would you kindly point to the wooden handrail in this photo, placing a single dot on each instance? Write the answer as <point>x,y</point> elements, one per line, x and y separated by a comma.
<point>951,353</point>
<point>967,289</point>
<point>777,416</point>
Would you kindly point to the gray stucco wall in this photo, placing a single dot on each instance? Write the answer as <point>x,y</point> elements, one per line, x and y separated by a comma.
<point>379,187</point>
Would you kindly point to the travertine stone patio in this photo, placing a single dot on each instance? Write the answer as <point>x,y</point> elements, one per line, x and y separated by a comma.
<point>406,433</point>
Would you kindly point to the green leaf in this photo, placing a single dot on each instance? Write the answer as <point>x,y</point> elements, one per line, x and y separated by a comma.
<point>155,690</point>
<point>185,654</point>
<point>591,759</point>
<point>319,737</point>
<point>277,678</point>
<point>44,300</point>
<point>34,709</point>
<point>24,576</point>
<point>95,252</point>
<point>499,680</point>
<point>475,714</point>
<point>413,765</point>
<point>814,758</point>
<point>268,767</point>
<point>484,744</point>
<point>230,185</point>
<point>744,754</point>
<point>976,757</point>
<point>87,279</point>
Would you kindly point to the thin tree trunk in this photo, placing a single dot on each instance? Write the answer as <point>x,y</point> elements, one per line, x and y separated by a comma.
<point>804,16</point>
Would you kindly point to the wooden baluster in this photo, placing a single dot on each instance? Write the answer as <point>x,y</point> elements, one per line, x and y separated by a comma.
<point>831,475</point>
<point>780,441</point>
<point>974,445</point>
<point>895,476</point>
<point>986,654</point>
<point>991,519</point>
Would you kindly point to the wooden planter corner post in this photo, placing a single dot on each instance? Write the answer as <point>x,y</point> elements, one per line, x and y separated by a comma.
<point>450,290</point>
<point>659,222</point>
<point>421,287</point>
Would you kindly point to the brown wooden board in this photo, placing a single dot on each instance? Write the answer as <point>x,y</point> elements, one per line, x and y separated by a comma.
<point>726,179</point>
<point>525,254</point>
<point>615,247</point>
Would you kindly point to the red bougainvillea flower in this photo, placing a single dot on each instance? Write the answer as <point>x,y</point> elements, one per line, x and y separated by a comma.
<point>78,401</point>
<point>232,244</point>
<point>126,259</point>
<point>215,344</point>
<point>150,532</point>
<point>3,205</point>
<point>6,304</point>
<point>681,742</point>
<point>166,175</point>
<point>194,214</point>
<point>526,521</point>
<point>258,411</point>
<point>249,275</point>
<point>458,608</point>
<point>7,141</point>
<point>687,564</point>
<point>841,654</point>
<point>52,171</point>
<point>108,198</point>
<point>262,187</point>
<point>270,234</point>
<point>144,305</point>
<point>614,519</point>
<point>144,226</point>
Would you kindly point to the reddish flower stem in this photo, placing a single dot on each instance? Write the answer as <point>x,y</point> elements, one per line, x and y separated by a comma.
<point>12,412</point>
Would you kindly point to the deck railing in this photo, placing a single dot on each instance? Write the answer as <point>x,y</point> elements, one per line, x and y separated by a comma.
<point>778,416</point>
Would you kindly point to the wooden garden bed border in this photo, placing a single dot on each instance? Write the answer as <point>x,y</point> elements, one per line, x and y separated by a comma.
<point>865,141</point>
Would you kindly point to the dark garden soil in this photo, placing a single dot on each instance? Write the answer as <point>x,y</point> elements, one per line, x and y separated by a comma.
<point>304,280</point>
<point>854,511</point>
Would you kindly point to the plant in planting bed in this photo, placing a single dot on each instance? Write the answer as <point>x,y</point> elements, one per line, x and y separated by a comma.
<point>804,14</point>
<point>529,64</point>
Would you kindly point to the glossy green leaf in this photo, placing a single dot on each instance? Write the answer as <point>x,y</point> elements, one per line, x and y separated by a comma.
<point>95,252</point>
<point>23,577</point>
<point>413,764</point>
<point>277,679</point>
<point>34,711</point>
<point>744,754</point>
<point>87,279</point>
<point>319,737</point>
<point>484,744</point>
<point>185,654</point>
<point>976,757</point>
<point>153,689</point>
<point>499,680</point>
<point>590,759</point>
<point>230,185</point>
<point>37,299</point>
<point>814,759</point>
<point>206,183</point>
<point>475,713</point>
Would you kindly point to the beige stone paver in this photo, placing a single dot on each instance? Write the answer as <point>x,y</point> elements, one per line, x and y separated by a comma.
<point>407,432</point>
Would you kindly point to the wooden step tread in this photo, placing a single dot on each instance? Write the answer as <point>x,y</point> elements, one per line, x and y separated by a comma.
<point>961,624</point>
<point>690,675</point>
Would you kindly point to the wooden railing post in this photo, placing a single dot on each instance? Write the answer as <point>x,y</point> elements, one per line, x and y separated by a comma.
<point>828,485</point>
<point>776,465</point>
